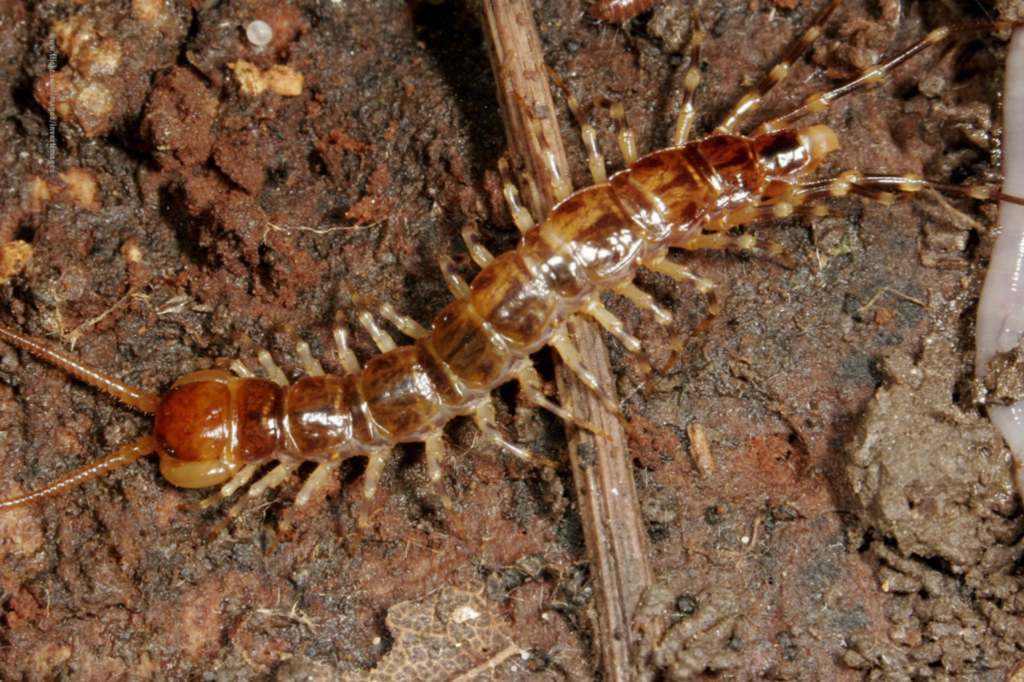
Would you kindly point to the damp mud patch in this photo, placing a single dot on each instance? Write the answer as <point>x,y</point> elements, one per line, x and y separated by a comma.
<point>931,484</point>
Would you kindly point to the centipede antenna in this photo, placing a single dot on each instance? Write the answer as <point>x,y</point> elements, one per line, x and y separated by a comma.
<point>143,401</point>
<point>122,458</point>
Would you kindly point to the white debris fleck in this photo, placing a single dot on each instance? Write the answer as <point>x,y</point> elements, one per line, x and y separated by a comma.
<point>465,613</point>
<point>259,33</point>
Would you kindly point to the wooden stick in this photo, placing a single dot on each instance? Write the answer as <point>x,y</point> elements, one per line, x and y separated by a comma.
<point>615,533</point>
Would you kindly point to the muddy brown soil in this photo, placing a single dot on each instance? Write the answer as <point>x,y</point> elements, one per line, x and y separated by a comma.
<point>857,521</point>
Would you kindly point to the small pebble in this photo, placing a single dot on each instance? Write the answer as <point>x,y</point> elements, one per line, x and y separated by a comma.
<point>259,33</point>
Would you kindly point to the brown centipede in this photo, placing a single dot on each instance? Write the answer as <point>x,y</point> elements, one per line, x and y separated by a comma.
<point>216,428</point>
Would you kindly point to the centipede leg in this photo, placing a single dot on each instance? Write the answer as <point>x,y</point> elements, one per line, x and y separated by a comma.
<point>274,478</point>
<point>435,455</point>
<point>346,357</point>
<point>487,423</point>
<point>744,242</point>
<point>520,214</point>
<point>241,369</point>
<point>406,324</point>
<point>595,159</point>
<point>456,284</point>
<point>688,112</point>
<point>561,188</point>
<point>572,358</point>
<point>309,363</point>
<point>752,100</point>
<point>269,366</point>
<point>380,337</point>
<point>821,101</point>
<point>477,251</point>
<point>531,385</point>
<point>274,373</point>
<point>643,300</point>
<point>226,490</point>
<point>613,325</point>
<point>371,478</point>
<point>315,480</point>
<point>884,189</point>
<point>681,274</point>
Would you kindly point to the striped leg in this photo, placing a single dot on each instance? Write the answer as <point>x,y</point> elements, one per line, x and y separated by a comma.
<point>435,455</point>
<point>625,134</point>
<point>346,357</point>
<point>531,385</point>
<point>874,74</point>
<point>681,273</point>
<point>315,481</point>
<point>520,215</point>
<point>272,479</point>
<point>405,324</point>
<point>595,159</point>
<point>571,356</point>
<point>687,112</point>
<point>488,425</point>
<point>477,251</point>
<point>752,100</point>
<point>371,478</point>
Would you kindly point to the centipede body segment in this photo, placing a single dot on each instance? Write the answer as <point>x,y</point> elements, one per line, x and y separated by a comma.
<point>215,428</point>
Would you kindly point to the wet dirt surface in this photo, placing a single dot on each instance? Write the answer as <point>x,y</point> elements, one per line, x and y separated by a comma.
<point>190,212</point>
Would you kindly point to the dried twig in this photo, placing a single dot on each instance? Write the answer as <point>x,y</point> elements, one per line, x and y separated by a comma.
<point>613,527</point>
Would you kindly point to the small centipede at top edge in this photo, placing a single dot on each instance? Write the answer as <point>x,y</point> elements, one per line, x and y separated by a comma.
<point>216,428</point>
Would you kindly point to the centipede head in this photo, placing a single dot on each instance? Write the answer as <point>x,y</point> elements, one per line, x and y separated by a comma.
<point>795,151</point>
<point>193,430</point>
